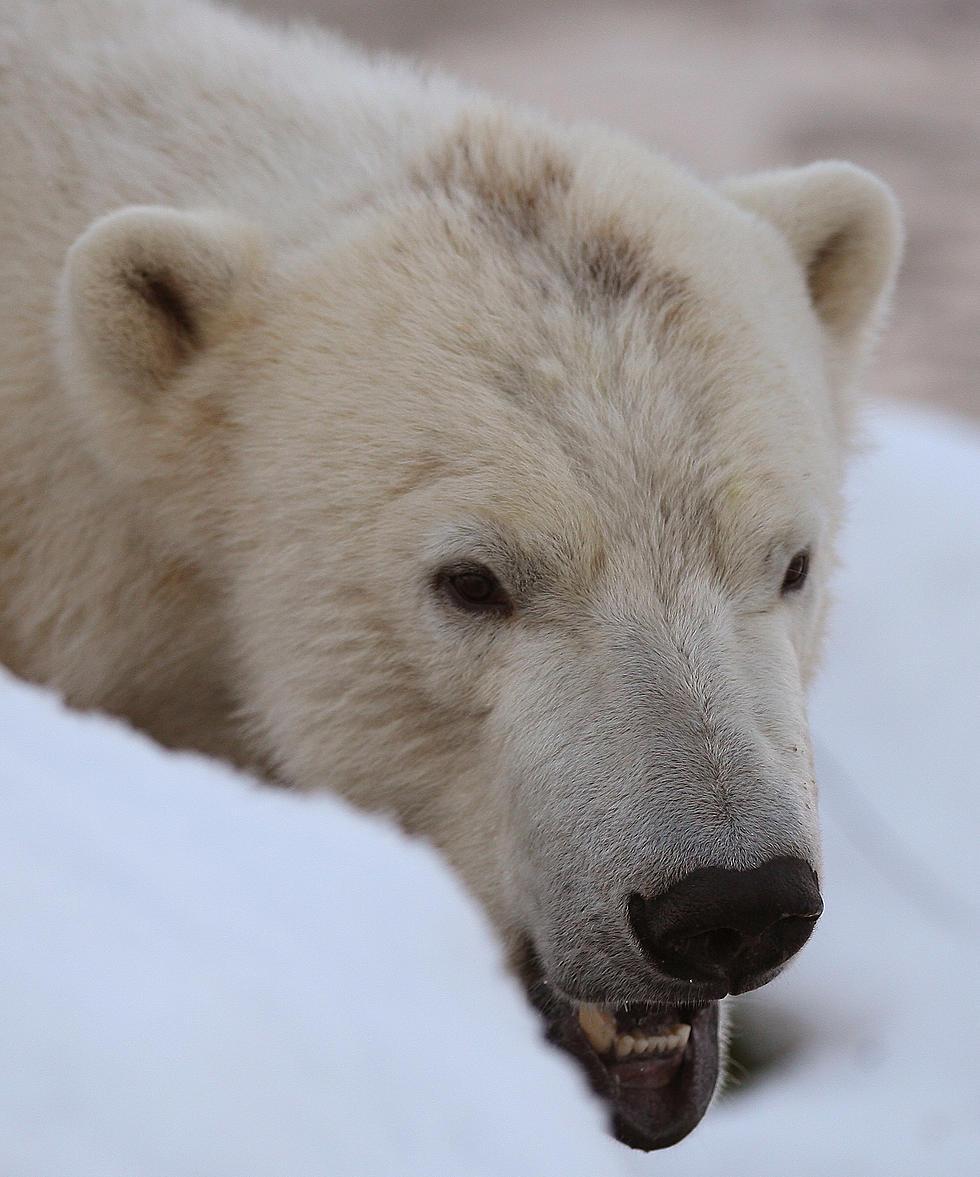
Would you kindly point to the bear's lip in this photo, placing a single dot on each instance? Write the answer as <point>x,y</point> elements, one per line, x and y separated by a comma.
<point>656,1094</point>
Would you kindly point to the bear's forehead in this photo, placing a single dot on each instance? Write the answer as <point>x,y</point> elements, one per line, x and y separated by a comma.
<point>676,450</point>
<point>646,405</point>
<point>613,297</point>
<point>528,323</point>
<point>590,486</point>
<point>658,410</point>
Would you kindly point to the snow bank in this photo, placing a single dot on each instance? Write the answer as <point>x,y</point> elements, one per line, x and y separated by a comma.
<point>202,977</point>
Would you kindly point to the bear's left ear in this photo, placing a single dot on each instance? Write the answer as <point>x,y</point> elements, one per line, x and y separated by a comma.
<point>145,293</point>
<point>844,228</point>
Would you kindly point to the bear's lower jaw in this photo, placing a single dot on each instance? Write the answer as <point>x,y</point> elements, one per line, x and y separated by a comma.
<point>657,1101</point>
<point>658,1073</point>
<point>655,1066</point>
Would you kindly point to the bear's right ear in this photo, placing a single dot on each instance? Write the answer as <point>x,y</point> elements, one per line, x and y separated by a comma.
<point>145,291</point>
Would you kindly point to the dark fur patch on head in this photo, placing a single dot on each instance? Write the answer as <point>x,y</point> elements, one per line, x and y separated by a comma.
<point>670,298</point>
<point>611,267</point>
<point>515,181</point>
<point>517,185</point>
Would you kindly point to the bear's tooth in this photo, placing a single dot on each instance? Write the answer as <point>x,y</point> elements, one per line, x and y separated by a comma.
<point>675,1039</point>
<point>624,1045</point>
<point>599,1026</point>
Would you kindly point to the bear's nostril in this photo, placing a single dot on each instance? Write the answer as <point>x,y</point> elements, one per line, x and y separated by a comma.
<point>718,946</point>
<point>729,928</point>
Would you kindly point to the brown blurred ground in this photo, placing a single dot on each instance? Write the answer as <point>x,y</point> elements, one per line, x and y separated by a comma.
<point>732,85</point>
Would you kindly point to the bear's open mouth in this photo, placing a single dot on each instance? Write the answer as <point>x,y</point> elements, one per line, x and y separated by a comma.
<point>656,1066</point>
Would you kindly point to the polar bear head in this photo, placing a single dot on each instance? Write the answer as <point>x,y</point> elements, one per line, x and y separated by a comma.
<point>518,490</point>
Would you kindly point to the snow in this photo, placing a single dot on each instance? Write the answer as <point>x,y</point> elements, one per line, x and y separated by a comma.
<point>201,977</point>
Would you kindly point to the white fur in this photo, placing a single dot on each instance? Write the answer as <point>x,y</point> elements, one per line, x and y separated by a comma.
<point>284,331</point>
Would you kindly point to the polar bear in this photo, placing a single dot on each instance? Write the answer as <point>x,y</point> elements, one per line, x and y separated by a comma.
<point>381,438</point>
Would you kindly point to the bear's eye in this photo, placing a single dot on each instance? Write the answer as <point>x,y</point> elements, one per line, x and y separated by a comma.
<point>476,590</point>
<point>796,572</point>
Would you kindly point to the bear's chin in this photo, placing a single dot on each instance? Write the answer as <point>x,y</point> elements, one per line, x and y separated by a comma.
<point>655,1066</point>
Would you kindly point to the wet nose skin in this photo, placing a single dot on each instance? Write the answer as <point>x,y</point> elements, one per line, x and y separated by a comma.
<point>726,927</point>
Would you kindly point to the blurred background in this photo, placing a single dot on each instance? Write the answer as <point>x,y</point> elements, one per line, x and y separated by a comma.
<point>733,85</point>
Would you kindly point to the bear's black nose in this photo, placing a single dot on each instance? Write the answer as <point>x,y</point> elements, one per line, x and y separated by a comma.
<point>729,928</point>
